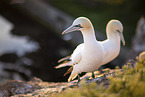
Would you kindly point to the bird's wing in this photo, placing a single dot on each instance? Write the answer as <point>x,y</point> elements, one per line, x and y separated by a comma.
<point>106,50</point>
<point>67,58</point>
<point>70,60</point>
<point>66,61</point>
<point>76,56</point>
<point>64,64</point>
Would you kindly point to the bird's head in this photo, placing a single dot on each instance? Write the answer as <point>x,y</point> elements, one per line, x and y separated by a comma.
<point>115,27</point>
<point>81,23</point>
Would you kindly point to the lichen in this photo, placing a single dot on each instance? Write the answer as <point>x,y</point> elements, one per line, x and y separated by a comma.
<point>127,82</point>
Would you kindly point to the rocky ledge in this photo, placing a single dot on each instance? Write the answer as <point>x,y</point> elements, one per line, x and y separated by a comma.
<point>37,87</point>
<point>117,82</point>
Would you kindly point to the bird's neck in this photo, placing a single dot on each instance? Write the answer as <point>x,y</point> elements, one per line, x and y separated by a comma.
<point>113,37</point>
<point>89,36</point>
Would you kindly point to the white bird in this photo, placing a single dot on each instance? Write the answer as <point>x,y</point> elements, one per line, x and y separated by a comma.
<point>87,57</point>
<point>114,31</point>
<point>111,45</point>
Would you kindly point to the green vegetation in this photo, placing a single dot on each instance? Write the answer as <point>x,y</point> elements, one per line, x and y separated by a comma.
<point>101,11</point>
<point>128,82</point>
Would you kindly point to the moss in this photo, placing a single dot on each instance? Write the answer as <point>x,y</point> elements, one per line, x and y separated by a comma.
<point>142,57</point>
<point>128,82</point>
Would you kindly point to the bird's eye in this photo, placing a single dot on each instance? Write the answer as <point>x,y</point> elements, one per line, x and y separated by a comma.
<point>78,26</point>
<point>118,31</point>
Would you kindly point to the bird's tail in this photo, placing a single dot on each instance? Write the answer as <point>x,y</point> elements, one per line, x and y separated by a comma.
<point>72,76</point>
<point>64,65</point>
<point>64,62</point>
<point>67,58</point>
<point>68,71</point>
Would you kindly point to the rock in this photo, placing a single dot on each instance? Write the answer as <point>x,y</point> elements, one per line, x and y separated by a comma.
<point>139,38</point>
<point>9,58</point>
<point>33,88</point>
<point>14,71</point>
<point>14,87</point>
<point>37,88</point>
<point>138,41</point>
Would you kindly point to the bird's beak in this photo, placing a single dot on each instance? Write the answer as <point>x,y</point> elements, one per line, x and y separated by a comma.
<point>122,38</point>
<point>71,29</point>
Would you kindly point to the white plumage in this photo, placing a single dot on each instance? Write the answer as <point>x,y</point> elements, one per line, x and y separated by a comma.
<point>111,48</point>
<point>114,31</point>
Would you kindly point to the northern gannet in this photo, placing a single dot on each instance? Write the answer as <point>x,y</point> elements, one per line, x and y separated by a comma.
<point>87,57</point>
<point>111,45</point>
<point>114,31</point>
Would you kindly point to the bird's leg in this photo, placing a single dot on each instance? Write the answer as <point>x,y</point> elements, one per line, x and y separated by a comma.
<point>93,75</point>
<point>78,78</point>
<point>100,70</point>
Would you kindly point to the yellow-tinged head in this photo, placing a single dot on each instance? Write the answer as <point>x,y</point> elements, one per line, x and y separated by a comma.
<point>81,23</point>
<point>115,27</point>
